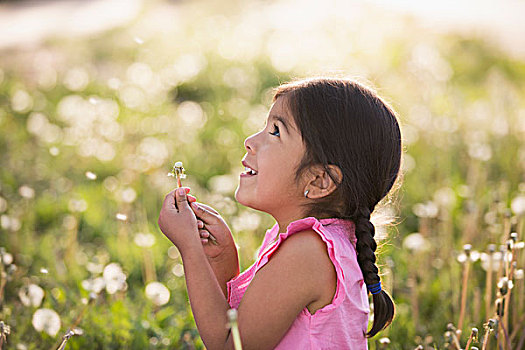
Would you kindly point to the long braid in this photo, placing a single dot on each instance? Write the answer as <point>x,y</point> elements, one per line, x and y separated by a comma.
<point>366,246</point>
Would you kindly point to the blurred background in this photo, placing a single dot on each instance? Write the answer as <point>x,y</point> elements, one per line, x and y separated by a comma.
<point>98,99</point>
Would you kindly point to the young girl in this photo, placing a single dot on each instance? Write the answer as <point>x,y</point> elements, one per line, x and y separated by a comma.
<point>330,151</point>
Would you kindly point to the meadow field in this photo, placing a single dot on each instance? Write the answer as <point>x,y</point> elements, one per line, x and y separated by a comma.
<point>90,127</point>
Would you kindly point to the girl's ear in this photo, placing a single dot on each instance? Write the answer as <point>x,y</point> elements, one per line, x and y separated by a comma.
<point>320,184</point>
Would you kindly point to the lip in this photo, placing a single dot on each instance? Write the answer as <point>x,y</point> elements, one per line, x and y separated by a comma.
<point>248,165</point>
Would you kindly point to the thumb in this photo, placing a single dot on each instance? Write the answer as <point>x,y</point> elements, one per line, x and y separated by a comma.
<point>180,198</point>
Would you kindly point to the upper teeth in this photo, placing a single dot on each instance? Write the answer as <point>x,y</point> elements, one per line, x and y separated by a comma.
<point>250,170</point>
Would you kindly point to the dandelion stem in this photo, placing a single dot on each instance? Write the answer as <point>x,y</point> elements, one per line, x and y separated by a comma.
<point>232,320</point>
<point>464,286</point>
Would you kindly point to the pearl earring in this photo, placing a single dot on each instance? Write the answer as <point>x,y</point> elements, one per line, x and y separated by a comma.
<point>306,193</point>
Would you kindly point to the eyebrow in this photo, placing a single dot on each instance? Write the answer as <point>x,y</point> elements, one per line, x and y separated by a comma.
<point>282,120</point>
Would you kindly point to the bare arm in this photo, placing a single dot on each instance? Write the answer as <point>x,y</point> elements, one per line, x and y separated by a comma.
<point>291,280</point>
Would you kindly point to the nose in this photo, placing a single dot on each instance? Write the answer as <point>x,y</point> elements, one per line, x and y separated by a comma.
<point>249,143</point>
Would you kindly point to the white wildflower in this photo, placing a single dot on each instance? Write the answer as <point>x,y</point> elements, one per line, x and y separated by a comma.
<point>157,293</point>
<point>31,295</point>
<point>416,242</point>
<point>114,278</point>
<point>46,320</point>
<point>144,240</point>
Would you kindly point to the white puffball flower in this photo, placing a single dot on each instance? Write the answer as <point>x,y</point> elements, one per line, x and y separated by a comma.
<point>26,191</point>
<point>416,242</point>
<point>114,278</point>
<point>31,295</point>
<point>144,240</point>
<point>90,175</point>
<point>7,258</point>
<point>46,320</point>
<point>121,217</point>
<point>518,205</point>
<point>157,293</point>
<point>426,210</point>
<point>94,285</point>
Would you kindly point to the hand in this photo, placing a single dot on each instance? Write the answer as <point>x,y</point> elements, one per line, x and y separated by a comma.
<point>209,222</point>
<point>177,221</point>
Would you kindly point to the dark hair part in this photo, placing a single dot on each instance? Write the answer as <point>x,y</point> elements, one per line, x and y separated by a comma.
<point>347,124</point>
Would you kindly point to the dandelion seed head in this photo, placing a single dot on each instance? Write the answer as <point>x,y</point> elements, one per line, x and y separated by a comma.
<point>94,268</point>
<point>31,295</point>
<point>518,274</point>
<point>144,240</point>
<point>121,217</point>
<point>95,285</point>
<point>54,151</point>
<point>90,175</point>
<point>26,191</point>
<point>416,242</point>
<point>7,258</point>
<point>46,320</point>
<point>475,255</point>
<point>158,293</point>
<point>154,341</point>
<point>426,210</point>
<point>518,205</point>
<point>384,340</point>
<point>21,346</point>
<point>44,271</point>
<point>462,258</point>
<point>114,278</point>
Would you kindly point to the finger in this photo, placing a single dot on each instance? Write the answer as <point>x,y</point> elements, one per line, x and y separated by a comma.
<point>204,234</point>
<point>204,240</point>
<point>200,224</point>
<point>209,208</point>
<point>181,198</point>
<point>207,216</point>
<point>191,198</point>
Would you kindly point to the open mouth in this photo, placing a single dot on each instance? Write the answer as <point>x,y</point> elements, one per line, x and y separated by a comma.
<point>249,172</point>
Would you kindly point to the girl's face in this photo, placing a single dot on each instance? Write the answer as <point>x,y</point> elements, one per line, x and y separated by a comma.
<point>274,153</point>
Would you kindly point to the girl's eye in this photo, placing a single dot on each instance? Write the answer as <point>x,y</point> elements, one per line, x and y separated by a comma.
<point>276,130</point>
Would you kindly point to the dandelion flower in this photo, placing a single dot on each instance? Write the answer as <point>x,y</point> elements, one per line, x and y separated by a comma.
<point>114,278</point>
<point>416,242</point>
<point>31,295</point>
<point>90,175</point>
<point>518,205</point>
<point>94,285</point>
<point>144,240</point>
<point>46,320</point>
<point>157,293</point>
<point>121,217</point>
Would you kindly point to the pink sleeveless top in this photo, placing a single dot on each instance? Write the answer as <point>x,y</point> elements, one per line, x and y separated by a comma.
<point>339,325</point>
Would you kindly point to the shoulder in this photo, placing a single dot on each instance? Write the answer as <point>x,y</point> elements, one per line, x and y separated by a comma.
<point>307,254</point>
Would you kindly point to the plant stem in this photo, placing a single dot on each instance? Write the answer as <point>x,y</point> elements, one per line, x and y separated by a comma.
<point>463,294</point>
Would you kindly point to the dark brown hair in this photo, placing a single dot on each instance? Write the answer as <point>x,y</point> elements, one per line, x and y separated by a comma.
<point>347,124</point>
